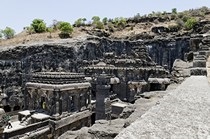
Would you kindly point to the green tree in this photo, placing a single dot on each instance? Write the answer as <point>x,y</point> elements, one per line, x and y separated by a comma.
<point>30,30</point>
<point>80,22</point>
<point>185,17</point>
<point>164,13</point>
<point>38,25</point>
<point>190,23</point>
<point>66,29</point>
<point>110,27</point>
<point>174,11</point>
<point>1,35</point>
<point>8,33</point>
<point>105,20</point>
<point>120,22</point>
<point>95,19</point>
<point>99,25</point>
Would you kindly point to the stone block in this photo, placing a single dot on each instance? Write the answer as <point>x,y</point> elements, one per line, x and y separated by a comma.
<point>199,63</point>
<point>203,53</point>
<point>198,71</point>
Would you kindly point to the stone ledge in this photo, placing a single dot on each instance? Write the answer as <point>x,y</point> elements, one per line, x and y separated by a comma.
<point>198,71</point>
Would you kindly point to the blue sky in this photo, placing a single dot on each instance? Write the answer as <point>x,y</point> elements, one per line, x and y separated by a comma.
<point>19,13</point>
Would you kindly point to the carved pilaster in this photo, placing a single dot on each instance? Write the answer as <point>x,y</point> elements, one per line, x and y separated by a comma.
<point>60,101</point>
<point>69,103</point>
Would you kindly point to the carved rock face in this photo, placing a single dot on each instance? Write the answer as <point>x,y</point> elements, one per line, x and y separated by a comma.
<point>18,62</point>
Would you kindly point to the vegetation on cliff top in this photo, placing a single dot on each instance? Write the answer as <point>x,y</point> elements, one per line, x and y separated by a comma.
<point>118,27</point>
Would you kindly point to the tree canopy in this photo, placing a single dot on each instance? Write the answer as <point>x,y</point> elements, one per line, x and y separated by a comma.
<point>38,25</point>
<point>8,33</point>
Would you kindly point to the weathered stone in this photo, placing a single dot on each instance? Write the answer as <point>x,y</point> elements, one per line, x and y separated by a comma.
<point>199,63</point>
<point>183,113</point>
<point>159,29</point>
<point>198,71</point>
<point>165,51</point>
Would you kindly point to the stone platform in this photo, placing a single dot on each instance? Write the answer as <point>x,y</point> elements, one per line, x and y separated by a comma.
<point>181,114</point>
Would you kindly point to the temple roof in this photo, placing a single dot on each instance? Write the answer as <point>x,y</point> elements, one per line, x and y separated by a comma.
<point>61,87</point>
<point>57,77</point>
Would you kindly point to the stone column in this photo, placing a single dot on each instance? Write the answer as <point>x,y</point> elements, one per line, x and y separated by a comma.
<point>65,102</point>
<point>89,97</point>
<point>35,99</point>
<point>76,102</point>
<point>56,107</point>
<point>29,102</point>
<point>60,102</point>
<point>54,102</point>
<point>86,99</point>
<point>69,103</point>
<point>25,92</point>
<point>82,100</point>
<point>79,102</point>
<point>102,92</point>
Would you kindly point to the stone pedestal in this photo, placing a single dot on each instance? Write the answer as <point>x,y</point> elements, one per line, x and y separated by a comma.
<point>102,92</point>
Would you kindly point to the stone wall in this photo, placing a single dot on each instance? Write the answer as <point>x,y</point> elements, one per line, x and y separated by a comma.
<point>165,51</point>
<point>17,62</point>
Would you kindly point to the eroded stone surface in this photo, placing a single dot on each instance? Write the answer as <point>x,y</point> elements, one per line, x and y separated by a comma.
<point>183,113</point>
<point>102,129</point>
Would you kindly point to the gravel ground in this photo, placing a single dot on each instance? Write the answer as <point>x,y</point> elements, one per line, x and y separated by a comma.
<point>181,114</point>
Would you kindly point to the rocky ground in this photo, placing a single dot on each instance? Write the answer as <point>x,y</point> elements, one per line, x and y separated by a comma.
<point>102,129</point>
<point>183,113</point>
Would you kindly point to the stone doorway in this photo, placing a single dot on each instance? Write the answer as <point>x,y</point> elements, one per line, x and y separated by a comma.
<point>7,108</point>
<point>16,108</point>
<point>43,103</point>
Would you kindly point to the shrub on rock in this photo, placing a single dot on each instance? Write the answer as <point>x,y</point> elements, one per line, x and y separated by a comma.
<point>66,29</point>
<point>80,22</point>
<point>8,33</point>
<point>38,25</point>
<point>190,23</point>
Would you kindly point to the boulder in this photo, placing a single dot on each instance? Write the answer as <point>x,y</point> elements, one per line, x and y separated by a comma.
<point>181,68</point>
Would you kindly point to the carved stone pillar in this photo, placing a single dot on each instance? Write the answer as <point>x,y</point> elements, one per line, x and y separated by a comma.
<point>35,99</point>
<point>56,107</point>
<point>54,102</point>
<point>76,102</point>
<point>29,102</point>
<point>60,99</point>
<point>24,91</point>
<point>65,101</point>
<point>89,97</point>
<point>69,103</point>
<point>79,101</point>
<point>86,99</point>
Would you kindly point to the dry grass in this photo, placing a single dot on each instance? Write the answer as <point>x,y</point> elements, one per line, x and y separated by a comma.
<point>138,29</point>
<point>24,37</point>
<point>132,29</point>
